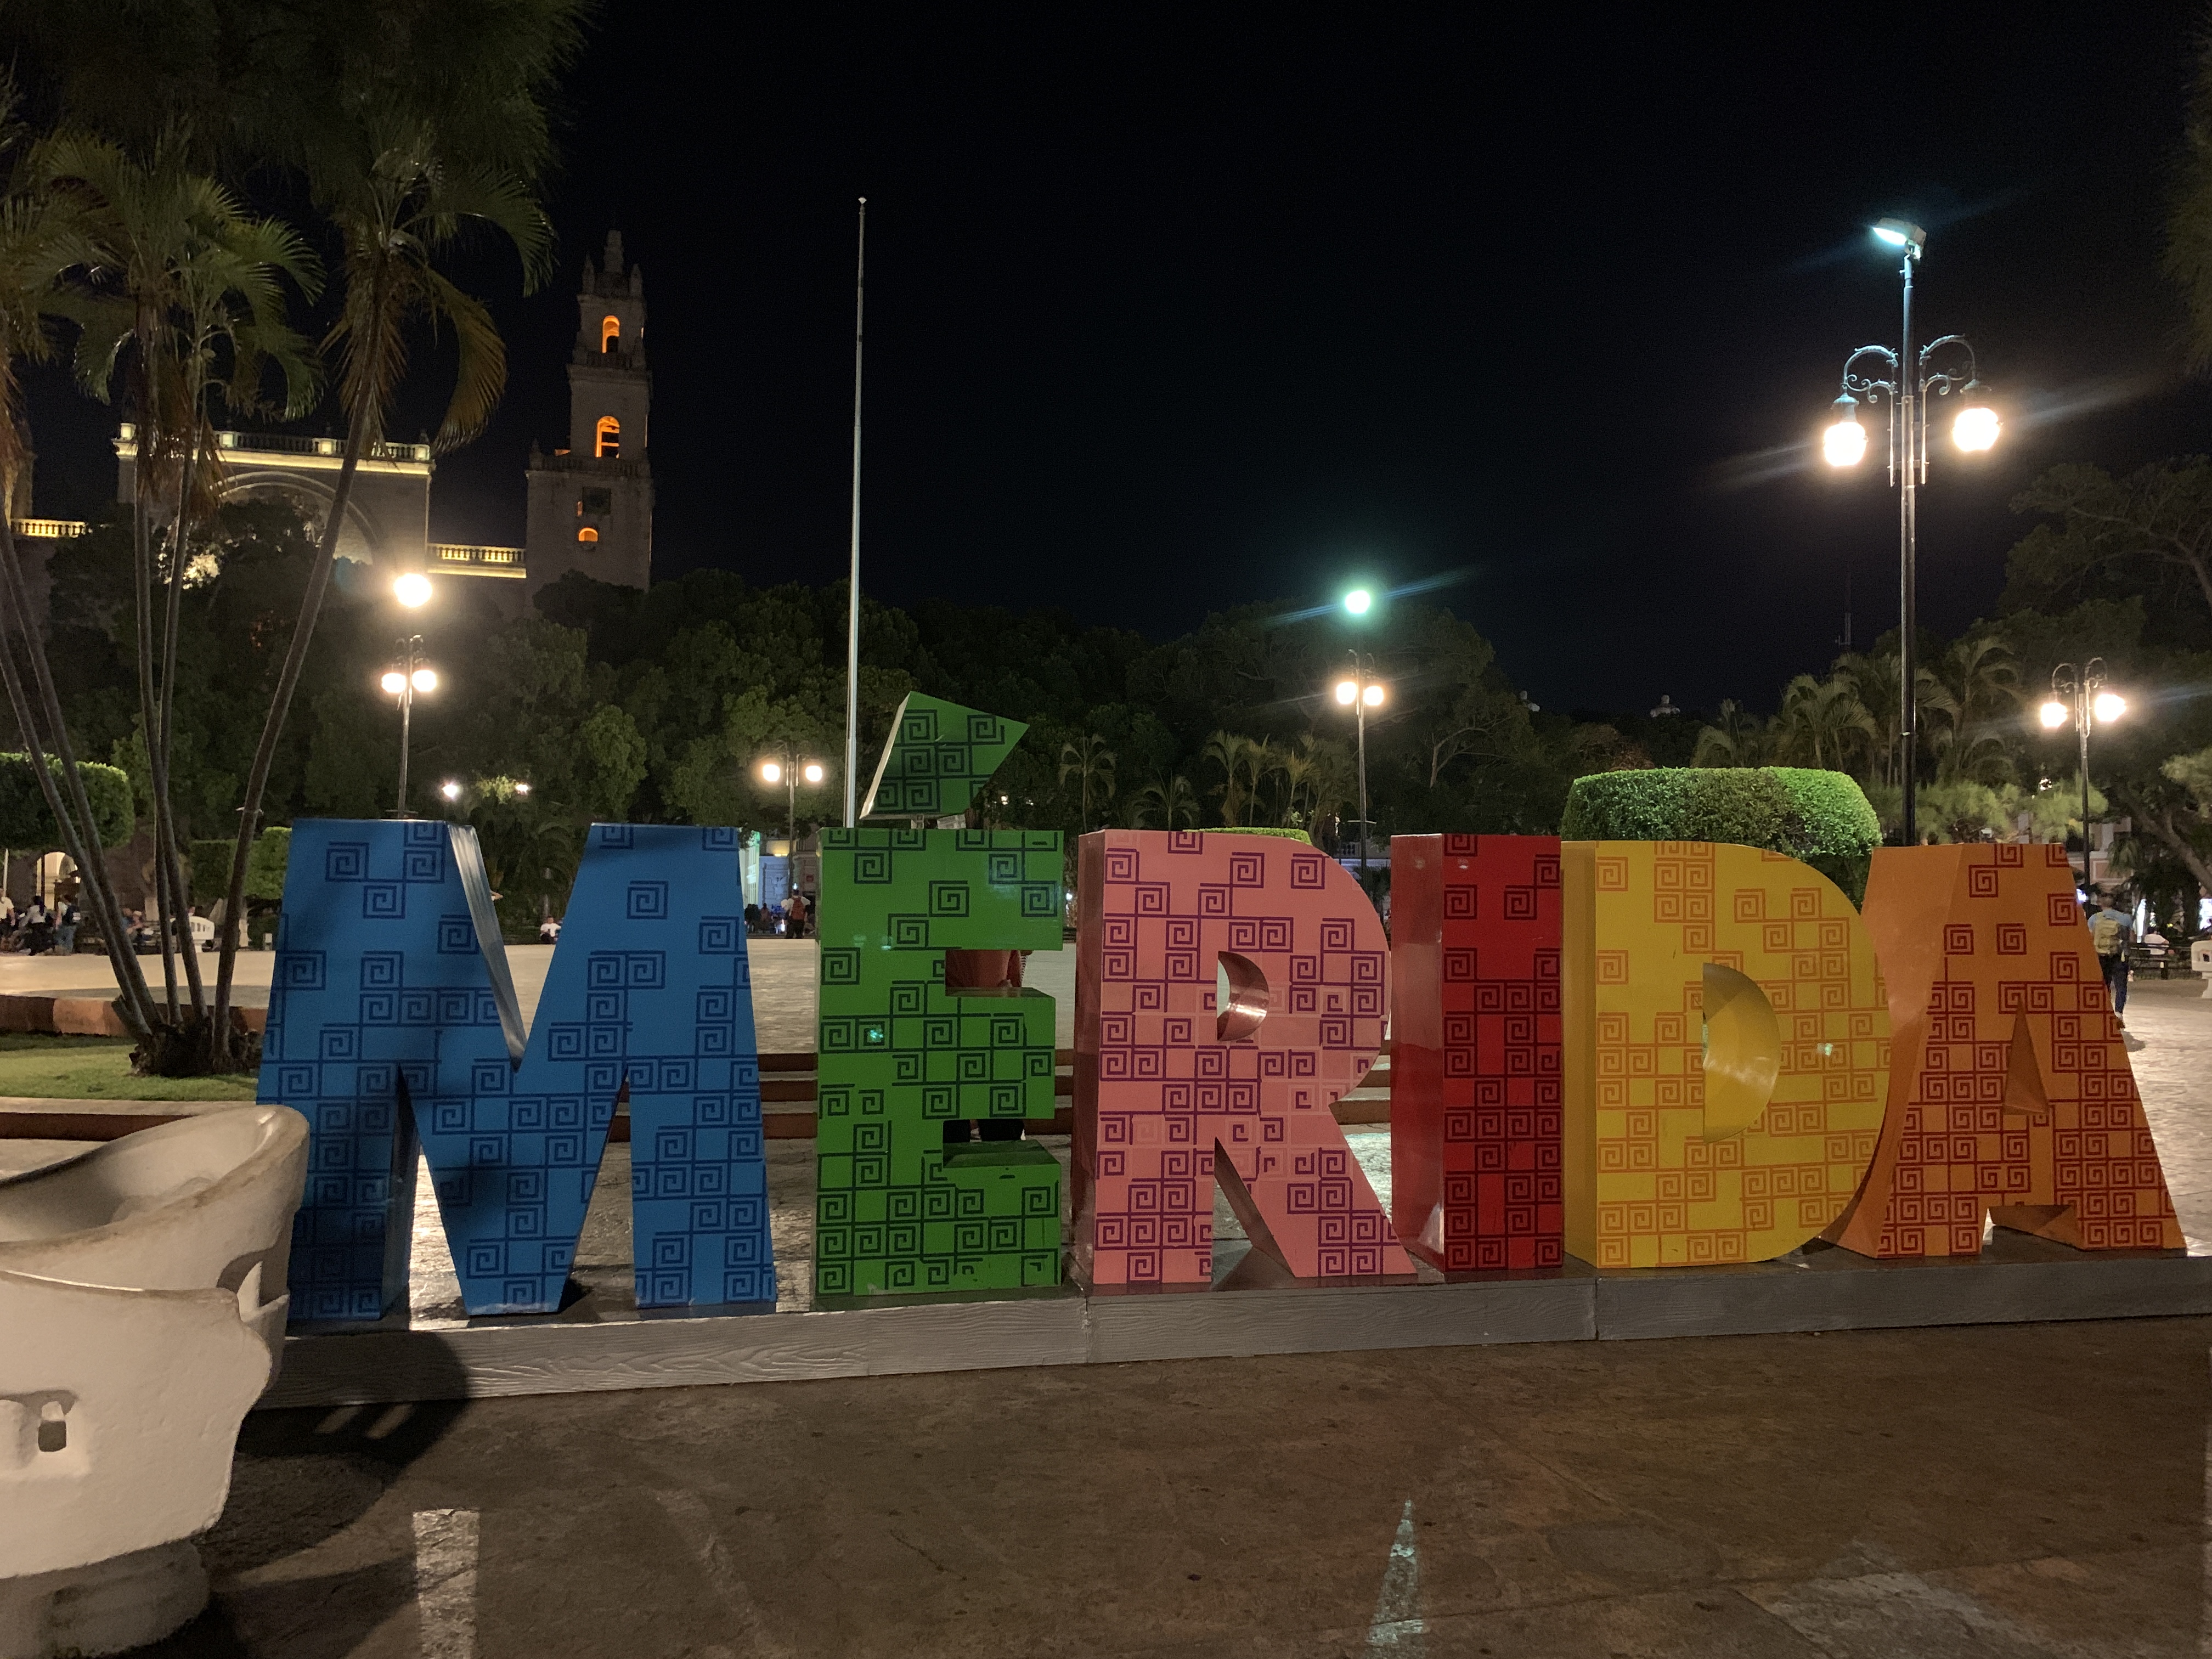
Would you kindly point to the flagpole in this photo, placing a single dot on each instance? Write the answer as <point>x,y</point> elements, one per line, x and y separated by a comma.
<point>852,587</point>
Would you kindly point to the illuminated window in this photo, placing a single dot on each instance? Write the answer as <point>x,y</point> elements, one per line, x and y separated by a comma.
<point>609,430</point>
<point>587,534</point>
<point>609,333</point>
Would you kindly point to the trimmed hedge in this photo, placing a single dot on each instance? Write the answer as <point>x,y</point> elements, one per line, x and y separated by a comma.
<point>208,867</point>
<point>1819,818</point>
<point>26,825</point>
<point>1259,830</point>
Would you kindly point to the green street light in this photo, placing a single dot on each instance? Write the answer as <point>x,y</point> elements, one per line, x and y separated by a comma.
<point>1359,602</point>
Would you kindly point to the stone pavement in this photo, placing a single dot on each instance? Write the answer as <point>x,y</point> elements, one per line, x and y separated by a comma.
<point>2173,1071</point>
<point>2006,1492</point>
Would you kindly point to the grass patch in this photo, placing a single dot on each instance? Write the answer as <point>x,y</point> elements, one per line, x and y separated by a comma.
<point>39,1067</point>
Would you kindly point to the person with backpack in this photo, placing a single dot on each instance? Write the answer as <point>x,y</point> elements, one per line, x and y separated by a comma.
<point>2110,932</point>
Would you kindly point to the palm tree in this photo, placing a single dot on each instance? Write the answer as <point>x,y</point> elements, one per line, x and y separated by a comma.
<point>1819,718</point>
<point>1225,750</point>
<point>399,198</point>
<point>1980,678</point>
<point>1091,763</point>
<point>1260,762</point>
<point>1167,804</point>
<point>1739,738</point>
<point>181,290</point>
<point>1296,768</point>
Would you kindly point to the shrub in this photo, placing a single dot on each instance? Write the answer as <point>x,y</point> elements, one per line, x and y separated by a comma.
<point>208,867</point>
<point>26,825</point>
<point>1821,818</point>
<point>1260,829</point>
<point>266,864</point>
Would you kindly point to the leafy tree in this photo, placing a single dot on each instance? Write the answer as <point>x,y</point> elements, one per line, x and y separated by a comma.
<point>2146,536</point>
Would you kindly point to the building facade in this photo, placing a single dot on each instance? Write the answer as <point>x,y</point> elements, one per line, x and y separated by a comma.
<point>591,504</point>
<point>588,506</point>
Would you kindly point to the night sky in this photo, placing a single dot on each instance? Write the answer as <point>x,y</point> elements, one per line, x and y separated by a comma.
<point>1170,312</point>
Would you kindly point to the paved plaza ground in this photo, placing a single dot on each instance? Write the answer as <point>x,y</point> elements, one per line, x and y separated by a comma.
<point>2007,1492</point>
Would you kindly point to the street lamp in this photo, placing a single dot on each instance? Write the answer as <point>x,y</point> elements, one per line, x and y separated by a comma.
<point>404,682</point>
<point>788,772</point>
<point>1360,691</point>
<point>1359,602</point>
<point>1844,444</point>
<point>412,590</point>
<point>2079,695</point>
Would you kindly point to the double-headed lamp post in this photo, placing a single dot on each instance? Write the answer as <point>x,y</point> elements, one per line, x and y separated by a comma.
<point>1913,378</point>
<point>1360,691</point>
<point>2079,695</point>
<point>411,674</point>
<point>788,772</point>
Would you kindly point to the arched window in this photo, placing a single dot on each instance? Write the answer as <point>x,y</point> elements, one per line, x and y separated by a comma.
<point>609,333</point>
<point>609,430</point>
<point>587,534</point>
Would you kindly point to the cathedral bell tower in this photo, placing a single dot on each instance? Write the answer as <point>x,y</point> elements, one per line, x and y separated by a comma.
<point>591,504</point>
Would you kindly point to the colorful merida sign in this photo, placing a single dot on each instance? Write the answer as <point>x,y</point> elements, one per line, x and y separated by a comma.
<point>1637,1053</point>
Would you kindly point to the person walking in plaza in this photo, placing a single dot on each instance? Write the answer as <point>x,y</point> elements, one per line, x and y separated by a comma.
<point>2110,932</point>
<point>38,928</point>
<point>67,920</point>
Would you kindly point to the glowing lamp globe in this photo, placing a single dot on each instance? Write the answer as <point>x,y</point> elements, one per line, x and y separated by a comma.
<point>450,790</point>
<point>2110,705</point>
<point>813,772</point>
<point>1372,697</point>
<point>412,589</point>
<point>1844,444</point>
<point>2052,714</point>
<point>1347,692</point>
<point>394,682</point>
<point>771,772</point>
<point>1976,429</point>
<point>521,788</point>
<point>1359,602</point>
<point>426,679</point>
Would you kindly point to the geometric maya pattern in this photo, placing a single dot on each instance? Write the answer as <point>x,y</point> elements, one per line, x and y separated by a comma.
<point>385,1023</point>
<point>379,992</point>
<point>896,1211</point>
<point>1171,1088</point>
<point>1649,1183</point>
<point>939,755</point>
<point>2012,1092</point>
<point>650,988</point>
<point>1475,1087</point>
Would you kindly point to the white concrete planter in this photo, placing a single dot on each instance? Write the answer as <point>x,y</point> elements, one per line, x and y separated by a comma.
<point>134,1337</point>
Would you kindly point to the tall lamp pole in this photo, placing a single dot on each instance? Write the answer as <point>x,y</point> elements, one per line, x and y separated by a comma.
<point>1912,380</point>
<point>2079,695</point>
<point>1360,691</point>
<point>413,675</point>
<point>853,587</point>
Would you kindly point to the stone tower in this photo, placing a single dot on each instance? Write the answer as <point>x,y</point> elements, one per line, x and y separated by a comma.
<point>591,504</point>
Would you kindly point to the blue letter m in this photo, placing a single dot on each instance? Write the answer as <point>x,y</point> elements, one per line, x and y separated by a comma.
<point>392,1009</point>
